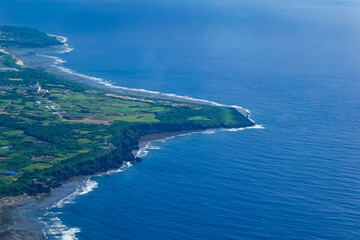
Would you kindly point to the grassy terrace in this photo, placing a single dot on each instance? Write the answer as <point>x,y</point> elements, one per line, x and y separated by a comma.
<point>66,129</point>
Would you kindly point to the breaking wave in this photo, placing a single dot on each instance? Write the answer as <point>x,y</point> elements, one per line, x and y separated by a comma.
<point>240,129</point>
<point>54,227</point>
<point>83,187</point>
<point>57,230</point>
<point>125,166</point>
<point>63,40</point>
<point>143,151</point>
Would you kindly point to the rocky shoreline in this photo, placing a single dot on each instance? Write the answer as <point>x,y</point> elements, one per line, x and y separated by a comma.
<point>13,224</point>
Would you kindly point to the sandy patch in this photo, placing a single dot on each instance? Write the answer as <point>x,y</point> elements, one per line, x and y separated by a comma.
<point>3,51</point>
<point>18,61</point>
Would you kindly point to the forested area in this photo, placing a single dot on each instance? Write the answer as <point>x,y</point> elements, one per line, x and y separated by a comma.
<point>12,36</point>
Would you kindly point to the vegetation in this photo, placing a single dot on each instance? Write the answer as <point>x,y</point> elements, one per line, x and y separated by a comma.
<point>65,129</point>
<point>12,36</point>
<point>7,61</point>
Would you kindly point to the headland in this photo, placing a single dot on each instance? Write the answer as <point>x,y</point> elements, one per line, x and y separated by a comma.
<point>54,129</point>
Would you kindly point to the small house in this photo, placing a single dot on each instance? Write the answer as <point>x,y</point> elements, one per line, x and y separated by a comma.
<point>35,89</point>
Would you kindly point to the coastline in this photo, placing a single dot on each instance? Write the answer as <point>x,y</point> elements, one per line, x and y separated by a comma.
<point>13,210</point>
<point>16,225</point>
<point>35,59</point>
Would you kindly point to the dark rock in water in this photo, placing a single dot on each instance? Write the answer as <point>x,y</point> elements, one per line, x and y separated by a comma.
<point>137,159</point>
<point>14,222</point>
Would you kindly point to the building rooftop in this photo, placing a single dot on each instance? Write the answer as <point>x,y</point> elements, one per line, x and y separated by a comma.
<point>9,173</point>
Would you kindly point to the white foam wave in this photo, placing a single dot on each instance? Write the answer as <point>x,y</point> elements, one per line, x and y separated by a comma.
<point>241,110</point>
<point>230,129</point>
<point>57,60</point>
<point>90,186</point>
<point>143,151</point>
<point>59,38</point>
<point>67,49</point>
<point>82,188</point>
<point>153,148</point>
<point>69,234</point>
<point>208,132</point>
<point>56,229</point>
<point>125,166</point>
<point>53,224</point>
<point>63,40</point>
<point>240,129</point>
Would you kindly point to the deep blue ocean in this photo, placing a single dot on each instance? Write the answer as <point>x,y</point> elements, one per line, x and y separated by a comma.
<point>294,64</point>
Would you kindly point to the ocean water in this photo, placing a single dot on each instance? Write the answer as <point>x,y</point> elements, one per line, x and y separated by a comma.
<point>294,64</point>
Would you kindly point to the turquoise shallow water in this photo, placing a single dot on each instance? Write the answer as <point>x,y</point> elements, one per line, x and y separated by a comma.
<point>294,65</point>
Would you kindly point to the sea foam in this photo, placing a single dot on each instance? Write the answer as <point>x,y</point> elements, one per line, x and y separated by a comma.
<point>240,129</point>
<point>57,230</point>
<point>54,227</point>
<point>63,40</point>
<point>143,151</point>
<point>82,188</point>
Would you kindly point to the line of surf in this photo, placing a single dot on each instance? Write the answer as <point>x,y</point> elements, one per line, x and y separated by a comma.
<point>148,145</point>
<point>54,227</point>
<point>136,91</point>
